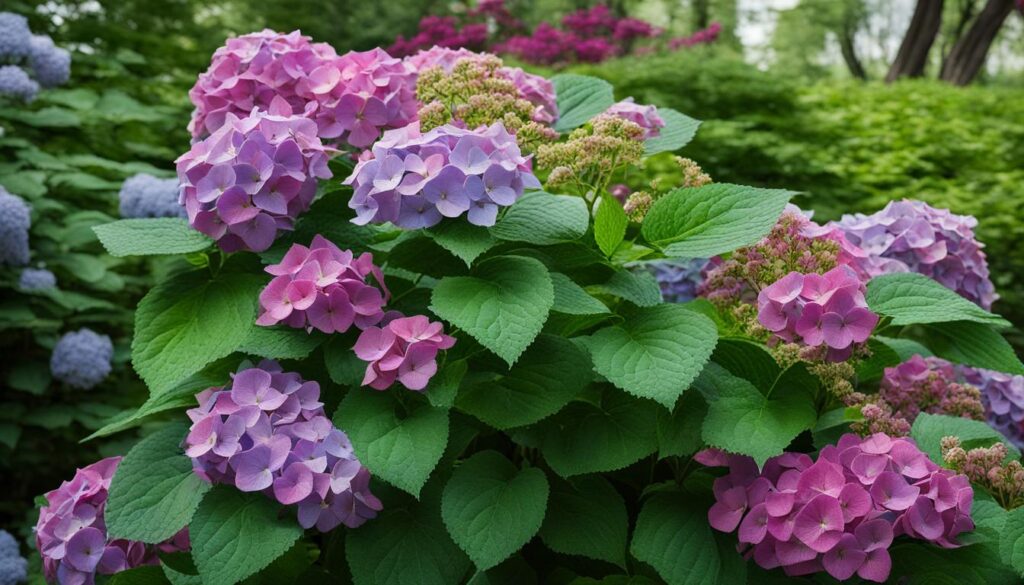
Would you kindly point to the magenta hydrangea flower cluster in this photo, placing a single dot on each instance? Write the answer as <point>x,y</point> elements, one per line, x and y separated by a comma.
<point>441,31</point>
<point>928,385</point>
<point>252,177</point>
<point>71,534</point>
<point>818,309</point>
<point>403,349</point>
<point>644,116</point>
<point>267,432</point>
<point>323,287</point>
<point>1003,396</point>
<point>839,513</point>
<point>912,236</point>
<point>412,179</point>
<point>704,36</point>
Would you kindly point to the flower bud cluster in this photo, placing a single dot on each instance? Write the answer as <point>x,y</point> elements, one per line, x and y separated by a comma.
<point>267,432</point>
<point>403,349</point>
<point>839,513</point>
<point>252,177</point>
<point>71,534</point>
<point>592,154</point>
<point>323,287</point>
<point>988,467</point>
<point>929,385</point>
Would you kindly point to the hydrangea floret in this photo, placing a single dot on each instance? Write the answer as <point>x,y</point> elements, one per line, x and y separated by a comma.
<point>50,64</point>
<point>1003,396</point>
<point>81,359</point>
<point>71,534</point>
<point>414,179</point>
<point>912,236</point>
<point>252,177</point>
<point>323,287</point>
<point>403,349</point>
<point>267,432</point>
<point>839,513</point>
<point>15,220</point>
<point>144,195</point>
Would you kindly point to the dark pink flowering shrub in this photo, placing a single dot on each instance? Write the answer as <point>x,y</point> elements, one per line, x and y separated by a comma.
<point>267,432</point>
<point>71,534</point>
<point>839,513</point>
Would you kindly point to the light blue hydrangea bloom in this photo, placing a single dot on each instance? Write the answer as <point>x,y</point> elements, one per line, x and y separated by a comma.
<point>81,359</point>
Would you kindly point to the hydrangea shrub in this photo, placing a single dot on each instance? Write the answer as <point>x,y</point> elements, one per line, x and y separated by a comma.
<point>565,422</point>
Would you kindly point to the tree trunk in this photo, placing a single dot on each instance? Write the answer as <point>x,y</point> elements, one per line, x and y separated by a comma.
<point>968,55</point>
<point>701,14</point>
<point>917,42</point>
<point>850,55</point>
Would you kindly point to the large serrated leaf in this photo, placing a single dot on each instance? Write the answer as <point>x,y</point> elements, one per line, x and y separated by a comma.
<point>929,429</point>
<point>910,298</point>
<point>543,219</point>
<point>579,99</point>
<point>679,130</point>
<point>150,237</point>
<point>587,517</point>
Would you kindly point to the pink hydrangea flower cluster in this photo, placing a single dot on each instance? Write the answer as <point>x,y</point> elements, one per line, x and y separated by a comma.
<point>818,309</point>
<point>252,70</point>
<point>1003,396</point>
<point>412,179</point>
<point>323,287</point>
<point>704,36</point>
<point>252,177</point>
<point>403,349</point>
<point>535,89</point>
<point>928,385</point>
<point>267,432</point>
<point>644,116</point>
<point>912,236</point>
<point>441,31</point>
<point>839,513</point>
<point>363,94</point>
<point>71,534</point>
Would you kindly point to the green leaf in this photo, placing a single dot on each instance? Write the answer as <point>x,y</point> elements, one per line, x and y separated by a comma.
<point>445,385</point>
<point>155,491</point>
<point>580,98</point>
<point>151,236</point>
<point>491,509</point>
<point>921,564</point>
<point>609,225</point>
<point>571,299</point>
<point>679,130</point>
<point>904,348</point>
<point>656,353</point>
<point>235,534</point>
<point>343,365</point>
<point>673,535</point>
<point>748,360</point>
<point>280,343</point>
<point>287,568</point>
<point>928,430</point>
<point>402,546</point>
<point>714,219</point>
<point>543,219</point>
<point>587,517</point>
<point>637,287</point>
<point>51,117</point>
<point>974,344</point>
<point>31,377</point>
<point>882,357</point>
<point>398,445</point>
<point>910,298</point>
<point>465,240</point>
<point>146,575</point>
<point>551,372</point>
<point>188,321</point>
<point>1011,540</point>
<point>503,305</point>
<point>743,420</point>
<point>679,431</point>
<point>596,438</point>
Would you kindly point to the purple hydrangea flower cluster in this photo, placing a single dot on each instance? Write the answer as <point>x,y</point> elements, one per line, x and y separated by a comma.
<point>71,534</point>
<point>912,236</point>
<point>26,56</point>
<point>252,177</point>
<point>15,36</point>
<point>81,359</point>
<point>818,309</point>
<point>1003,396</point>
<point>413,179</point>
<point>403,349</point>
<point>15,219</point>
<point>254,70</point>
<point>50,63</point>
<point>36,279</point>
<point>268,433</point>
<point>144,195</point>
<point>644,116</point>
<point>16,83</point>
<point>362,94</point>
<point>840,513</point>
<point>928,385</point>
<point>323,287</point>
<point>13,566</point>
<point>678,279</point>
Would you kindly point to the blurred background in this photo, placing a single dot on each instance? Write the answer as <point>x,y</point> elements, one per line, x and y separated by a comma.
<point>854,103</point>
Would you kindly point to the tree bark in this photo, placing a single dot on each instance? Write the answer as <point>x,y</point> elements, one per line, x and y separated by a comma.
<point>701,14</point>
<point>917,42</point>
<point>968,55</point>
<point>850,55</point>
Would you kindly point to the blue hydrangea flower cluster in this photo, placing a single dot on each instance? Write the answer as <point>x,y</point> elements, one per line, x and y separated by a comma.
<point>16,83</point>
<point>15,36</point>
<point>14,223</point>
<point>13,566</point>
<point>678,279</point>
<point>50,63</point>
<point>36,279</point>
<point>81,359</point>
<point>30,60</point>
<point>144,195</point>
